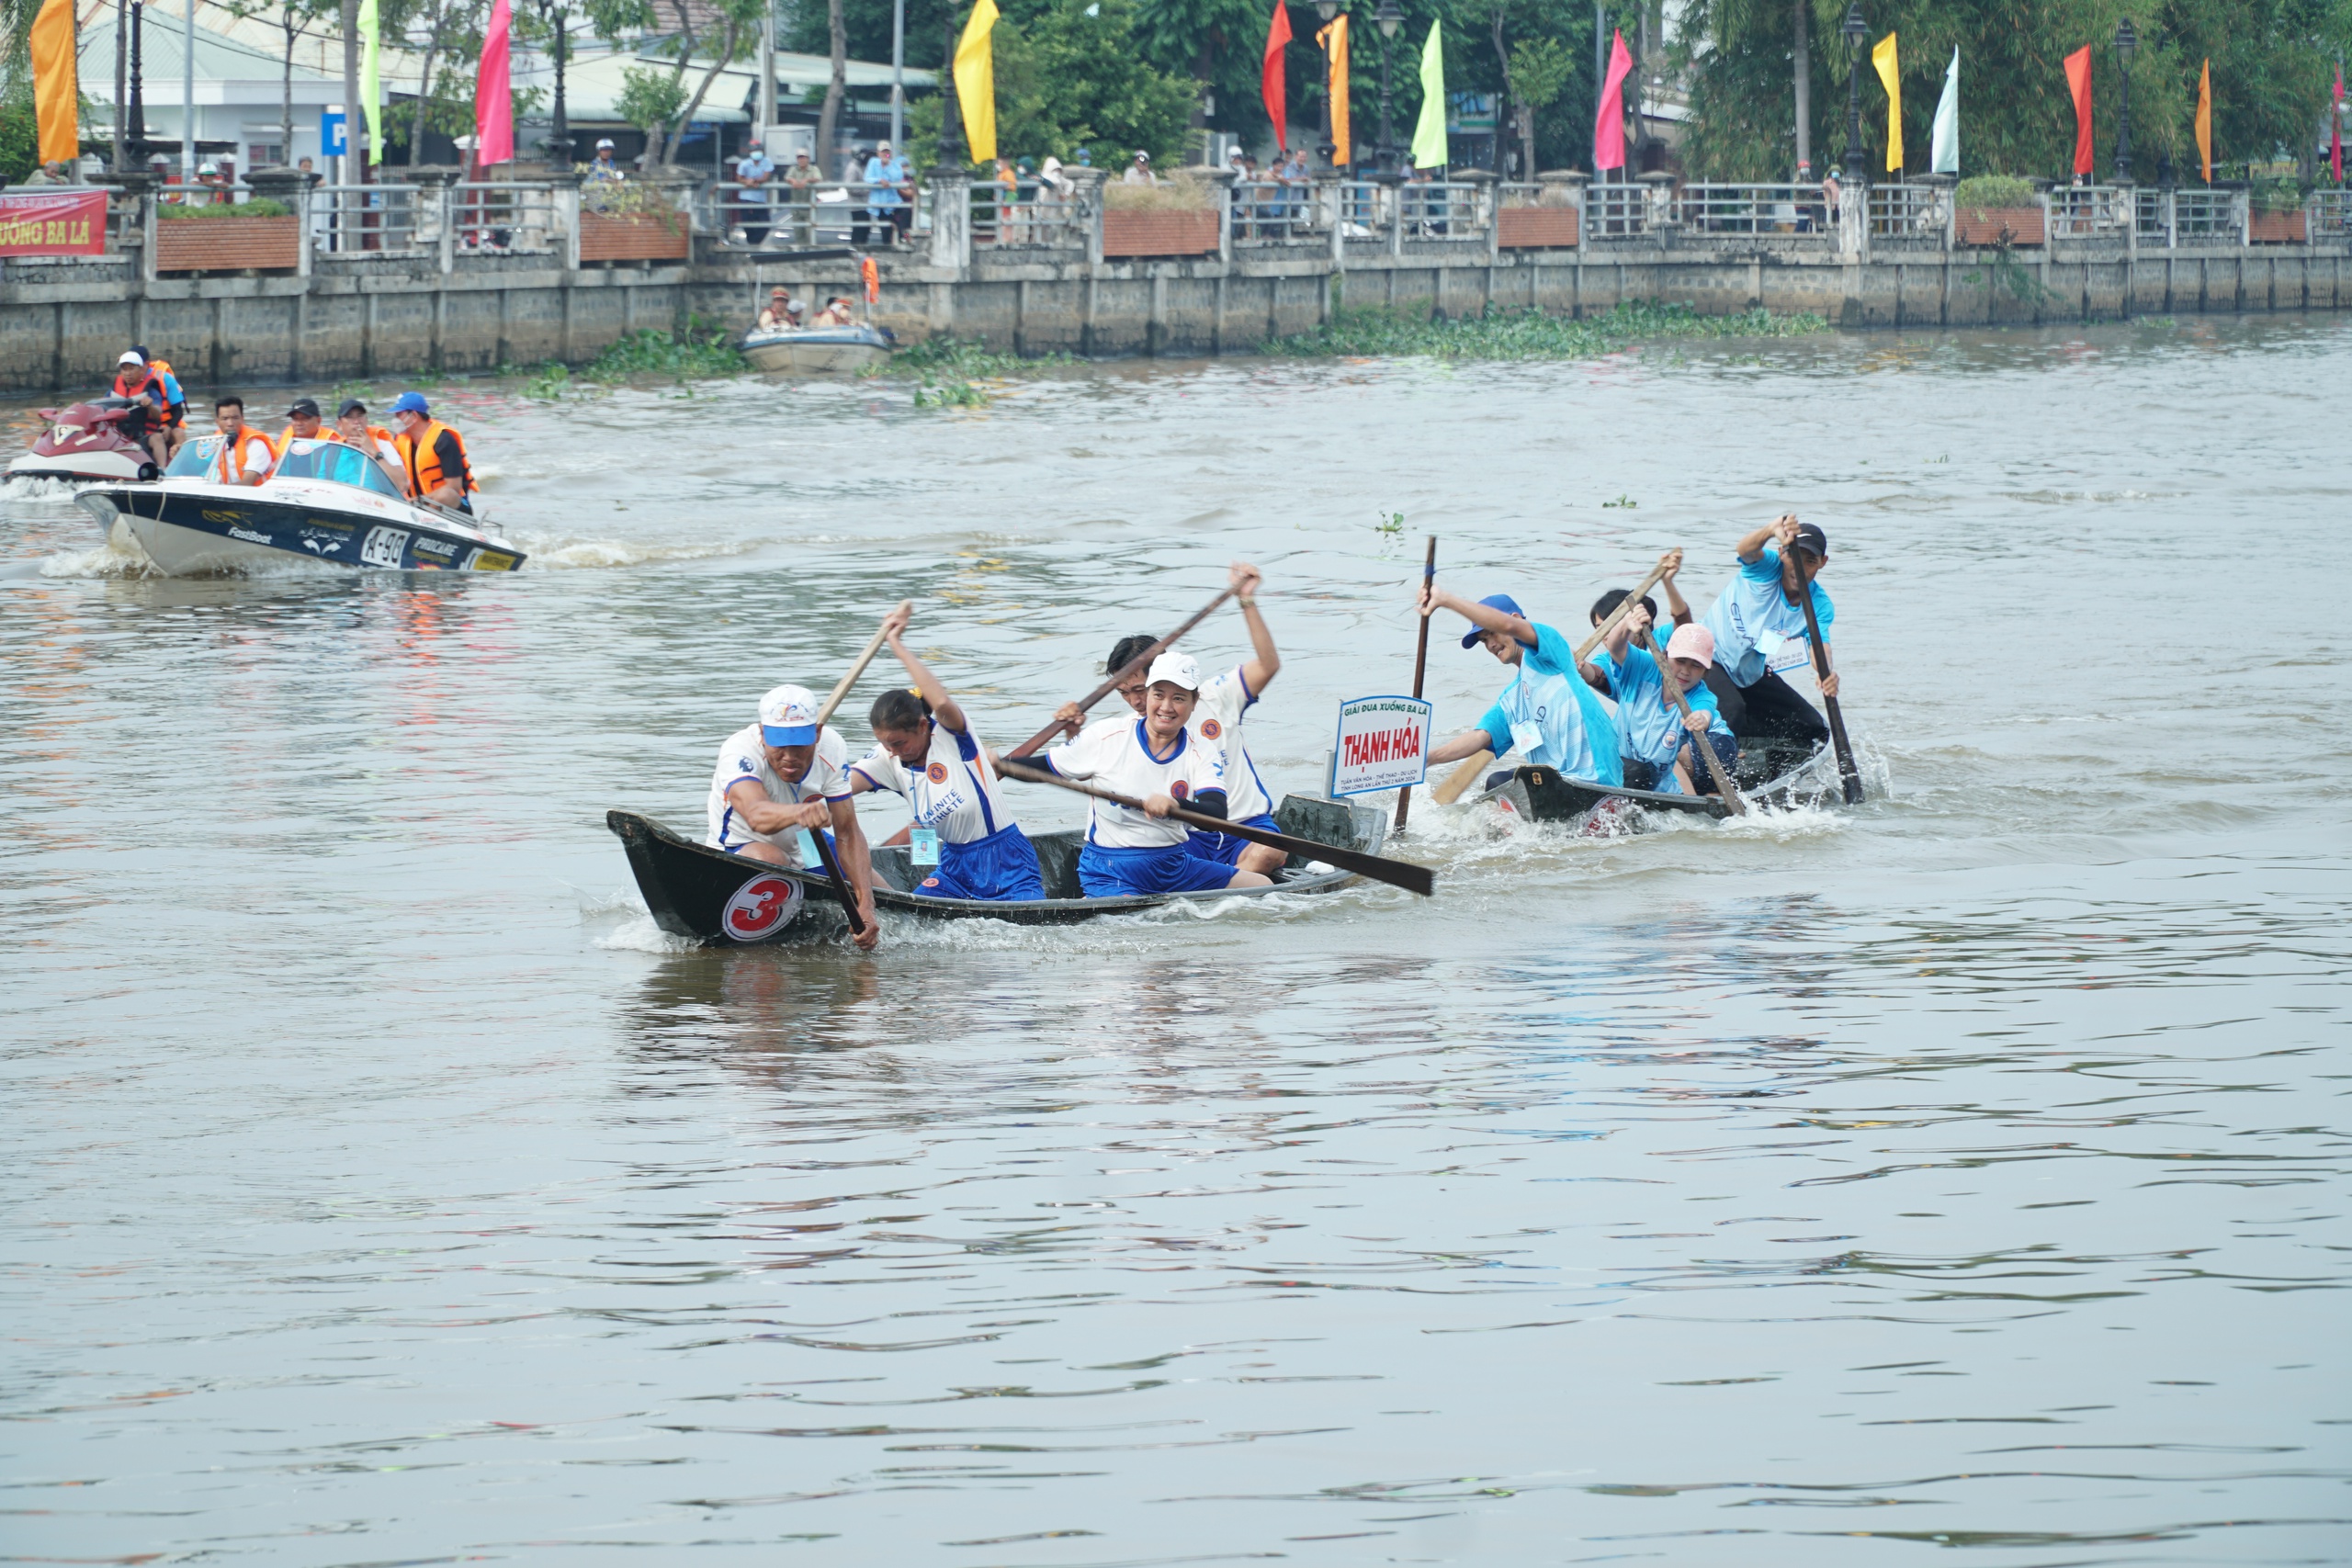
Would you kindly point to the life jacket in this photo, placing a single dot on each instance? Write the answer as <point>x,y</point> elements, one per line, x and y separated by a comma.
<point>229,463</point>
<point>424,464</point>
<point>286,437</point>
<point>173,414</point>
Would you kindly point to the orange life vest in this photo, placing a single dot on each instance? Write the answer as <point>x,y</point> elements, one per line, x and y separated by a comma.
<point>424,464</point>
<point>173,414</point>
<point>286,437</point>
<point>235,459</point>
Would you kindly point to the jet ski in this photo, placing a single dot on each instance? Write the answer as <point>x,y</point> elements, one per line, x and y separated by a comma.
<point>89,441</point>
<point>323,501</point>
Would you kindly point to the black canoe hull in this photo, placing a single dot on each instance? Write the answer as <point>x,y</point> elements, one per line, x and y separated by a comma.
<point>723,900</point>
<point>1545,795</point>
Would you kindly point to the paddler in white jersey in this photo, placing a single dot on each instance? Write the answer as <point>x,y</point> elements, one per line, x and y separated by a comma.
<point>1225,700</point>
<point>1547,714</point>
<point>926,751</point>
<point>779,779</point>
<point>1156,759</point>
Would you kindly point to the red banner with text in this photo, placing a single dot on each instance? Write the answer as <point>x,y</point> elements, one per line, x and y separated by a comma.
<point>53,223</point>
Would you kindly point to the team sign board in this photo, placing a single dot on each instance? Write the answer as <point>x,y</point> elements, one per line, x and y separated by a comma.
<point>1383,744</point>
<point>53,223</point>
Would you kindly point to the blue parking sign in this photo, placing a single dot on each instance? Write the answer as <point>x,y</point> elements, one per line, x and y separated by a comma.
<point>331,142</point>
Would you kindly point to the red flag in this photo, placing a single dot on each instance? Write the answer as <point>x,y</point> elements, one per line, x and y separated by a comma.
<point>2335,130</point>
<point>1274,87</point>
<point>493,93</point>
<point>2078,82</point>
<point>1609,119</point>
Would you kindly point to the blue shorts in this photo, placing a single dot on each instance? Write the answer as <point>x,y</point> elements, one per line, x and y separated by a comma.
<point>1118,874</point>
<point>1224,848</point>
<point>1002,866</point>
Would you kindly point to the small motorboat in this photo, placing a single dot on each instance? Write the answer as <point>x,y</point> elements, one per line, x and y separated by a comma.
<point>1767,774</point>
<point>818,351</point>
<point>324,502</point>
<point>87,441</point>
<point>725,900</point>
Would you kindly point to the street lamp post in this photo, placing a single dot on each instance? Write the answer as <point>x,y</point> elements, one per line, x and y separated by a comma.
<point>2127,43</point>
<point>1856,30</point>
<point>1327,9</point>
<point>1390,17</point>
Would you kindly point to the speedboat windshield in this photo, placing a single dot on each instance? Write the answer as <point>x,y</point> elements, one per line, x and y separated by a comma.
<point>334,461</point>
<point>195,459</point>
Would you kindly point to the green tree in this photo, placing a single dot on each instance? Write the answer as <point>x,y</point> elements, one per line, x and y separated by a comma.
<point>1068,76</point>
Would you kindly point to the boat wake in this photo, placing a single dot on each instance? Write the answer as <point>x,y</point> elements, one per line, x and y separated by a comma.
<point>21,487</point>
<point>107,560</point>
<point>563,552</point>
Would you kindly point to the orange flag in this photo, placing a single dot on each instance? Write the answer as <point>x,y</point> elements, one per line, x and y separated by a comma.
<point>2079,83</point>
<point>1274,84</point>
<point>1334,39</point>
<point>56,92</point>
<point>2205,118</point>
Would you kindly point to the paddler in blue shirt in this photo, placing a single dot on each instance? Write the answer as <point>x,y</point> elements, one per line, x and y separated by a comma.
<point>1548,713</point>
<point>1759,627</point>
<point>1658,739</point>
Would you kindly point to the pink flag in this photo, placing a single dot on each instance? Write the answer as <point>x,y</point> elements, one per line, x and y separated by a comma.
<point>2335,130</point>
<point>493,93</point>
<point>1608,120</point>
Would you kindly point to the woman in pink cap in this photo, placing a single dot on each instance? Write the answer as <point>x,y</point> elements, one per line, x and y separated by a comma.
<point>1657,740</point>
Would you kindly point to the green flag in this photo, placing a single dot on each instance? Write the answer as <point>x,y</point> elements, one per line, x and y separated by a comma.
<point>1428,137</point>
<point>371,94</point>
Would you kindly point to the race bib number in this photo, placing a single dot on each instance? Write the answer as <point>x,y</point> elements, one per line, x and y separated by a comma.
<point>761,908</point>
<point>922,846</point>
<point>1526,738</point>
<point>1793,653</point>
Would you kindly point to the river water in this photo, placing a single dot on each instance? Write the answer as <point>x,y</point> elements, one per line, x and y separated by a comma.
<point>1965,1170</point>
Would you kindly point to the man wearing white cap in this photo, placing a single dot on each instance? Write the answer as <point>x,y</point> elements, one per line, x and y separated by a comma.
<point>780,778</point>
<point>1155,759</point>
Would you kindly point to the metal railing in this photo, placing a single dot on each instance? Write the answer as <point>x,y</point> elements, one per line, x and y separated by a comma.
<point>1363,208</point>
<point>1616,211</point>
<point>1440,210</point>
<point>496,218</point>
<point>1270,211</point>
<point>2084,212</point>
<point>352,220</point>
<point>1910,212</point>
<point>1708,208</point>
<point>1029,212</point>
<point>789,217</point>
<point>2331,215</point>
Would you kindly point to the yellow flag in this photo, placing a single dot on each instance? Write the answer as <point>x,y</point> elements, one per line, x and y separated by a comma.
<point>56,93</point>
<point>2205,118</point>
<point>976,82</point>
<point>1892,74</point>
<point>1334,39</point>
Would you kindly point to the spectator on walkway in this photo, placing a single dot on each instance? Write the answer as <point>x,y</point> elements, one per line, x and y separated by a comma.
<point>602,168</point>
<point>1829,199</point>
<point>752,172</point>
<point>50,173</point>
<point>888,189</point>
<point>1140,171</point>
<point>801,181</point>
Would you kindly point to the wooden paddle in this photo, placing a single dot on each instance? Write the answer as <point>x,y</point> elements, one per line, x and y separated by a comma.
<point>1459,780</point>
<point>841,889</point>
<point>1140,661</point>
<point>1420,663</point>
<point>1848,774</point>
<point>1397,873</point>
<point>1699,740</point>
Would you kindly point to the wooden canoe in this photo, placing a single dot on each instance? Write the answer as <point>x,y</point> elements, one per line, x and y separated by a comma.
<point>1545,795</point>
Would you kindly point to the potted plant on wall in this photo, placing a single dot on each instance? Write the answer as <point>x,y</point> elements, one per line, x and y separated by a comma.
<point>226,236</point>
<point>1996,210</point>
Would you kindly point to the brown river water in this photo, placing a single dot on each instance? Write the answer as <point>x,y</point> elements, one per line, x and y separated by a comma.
<point>1964,1171</point>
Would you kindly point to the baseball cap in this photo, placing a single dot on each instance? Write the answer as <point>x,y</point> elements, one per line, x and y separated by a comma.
<point>1503,602</point>
<point>411,403</point>
<point>350,406</point>
<point>788,716</point>
<point>131,356</point>
<point>304,406</point>
<point>1813,541</point>
<point>1693,641</point>
<point>1178,669</point>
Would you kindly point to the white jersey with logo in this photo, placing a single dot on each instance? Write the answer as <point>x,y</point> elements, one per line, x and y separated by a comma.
<point>955,792</point>
<point>743,758</point>
<point>1217,725</point>
<point>1116,754</point>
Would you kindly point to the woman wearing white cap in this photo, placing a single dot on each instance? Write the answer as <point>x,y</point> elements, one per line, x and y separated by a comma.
<point>1152,759</point>
<point>781,777</point>
<point>926,751</point>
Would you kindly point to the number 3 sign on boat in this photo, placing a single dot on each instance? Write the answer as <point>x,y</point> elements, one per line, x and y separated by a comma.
<point>1384,743</point>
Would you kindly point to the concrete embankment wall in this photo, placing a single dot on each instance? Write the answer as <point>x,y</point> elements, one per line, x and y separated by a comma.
<point>61,326</point>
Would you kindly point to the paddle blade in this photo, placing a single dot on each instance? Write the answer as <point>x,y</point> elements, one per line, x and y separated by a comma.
<point>1455,783</point>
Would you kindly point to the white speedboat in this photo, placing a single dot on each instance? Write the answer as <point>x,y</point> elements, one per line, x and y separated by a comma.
<point>818,351</point>
<point>324,502</point>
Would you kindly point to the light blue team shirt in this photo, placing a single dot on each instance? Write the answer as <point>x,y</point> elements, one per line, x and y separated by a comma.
<point>1553,717</point>
<point>882,172</point>
<point>1652,731</point>
<point>1752,607</point>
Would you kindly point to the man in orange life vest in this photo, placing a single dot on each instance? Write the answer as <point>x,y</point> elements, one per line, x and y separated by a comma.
<point>301,424</point>
<point>434,456</point>
<point>167,431</point>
